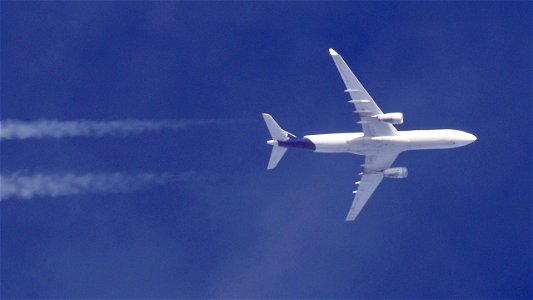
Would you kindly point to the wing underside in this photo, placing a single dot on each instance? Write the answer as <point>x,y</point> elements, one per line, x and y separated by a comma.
<point>365,106</point>
<point>372,176</point>
<point>367,109</point>
<point>367,186</point>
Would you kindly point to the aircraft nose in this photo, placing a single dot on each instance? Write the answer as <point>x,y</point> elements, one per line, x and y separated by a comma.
<point>465,138</point>
<point>472,138</point>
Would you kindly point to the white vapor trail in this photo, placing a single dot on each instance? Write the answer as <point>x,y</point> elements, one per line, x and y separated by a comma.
<point>26,186</point>
<point>16,129</point>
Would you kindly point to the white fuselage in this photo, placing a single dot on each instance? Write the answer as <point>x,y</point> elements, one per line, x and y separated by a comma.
<point>357,143</point>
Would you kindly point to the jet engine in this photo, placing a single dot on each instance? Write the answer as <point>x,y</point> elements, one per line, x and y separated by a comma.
<point>400,172</point>
<point>392,118</point>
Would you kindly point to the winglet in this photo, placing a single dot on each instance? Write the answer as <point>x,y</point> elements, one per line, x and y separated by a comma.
<point>333,52</point>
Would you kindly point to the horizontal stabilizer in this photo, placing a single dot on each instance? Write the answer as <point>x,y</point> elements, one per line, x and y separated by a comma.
<point>276,156</point>
<point>275,130</point>
<point>278,135</point>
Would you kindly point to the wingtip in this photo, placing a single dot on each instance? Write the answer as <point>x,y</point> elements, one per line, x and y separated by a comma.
<point>333,52</point>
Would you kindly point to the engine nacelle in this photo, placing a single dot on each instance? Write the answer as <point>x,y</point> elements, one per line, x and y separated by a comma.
<point>392,118</point>
<point>400,172</point>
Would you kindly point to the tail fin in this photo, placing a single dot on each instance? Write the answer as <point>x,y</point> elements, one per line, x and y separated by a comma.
<point>277,134</point>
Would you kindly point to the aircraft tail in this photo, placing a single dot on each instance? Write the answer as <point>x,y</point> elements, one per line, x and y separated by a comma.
<point>276,156</point>
<point>277,134</point>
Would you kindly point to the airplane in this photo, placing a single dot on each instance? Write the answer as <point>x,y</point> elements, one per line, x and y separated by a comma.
<point>379,142</point>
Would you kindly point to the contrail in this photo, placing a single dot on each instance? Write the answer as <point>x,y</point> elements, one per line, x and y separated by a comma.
<point>40,129</point>
<point>26,186</point>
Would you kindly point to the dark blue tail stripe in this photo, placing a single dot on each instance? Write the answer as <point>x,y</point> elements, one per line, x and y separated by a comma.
<point>303,143</point>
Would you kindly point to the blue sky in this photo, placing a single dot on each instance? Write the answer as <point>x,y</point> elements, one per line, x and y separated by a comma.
<point>210,221</point>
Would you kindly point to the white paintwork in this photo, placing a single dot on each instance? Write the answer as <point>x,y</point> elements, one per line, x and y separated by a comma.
<point>276,156</point>
<point>277,134</point>
<point>393,118</point>
<point>275,130</point>
<point>358,143</point>
<point>399,172</point>
<point>379,142</point>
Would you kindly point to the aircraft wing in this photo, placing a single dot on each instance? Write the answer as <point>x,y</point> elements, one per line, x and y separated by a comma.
<point>363,102</point>
<point>372,176</point>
